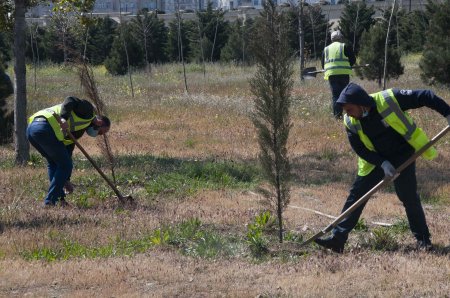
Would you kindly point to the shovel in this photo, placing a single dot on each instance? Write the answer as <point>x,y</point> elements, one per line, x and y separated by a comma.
<point>311,72</point>
<point>382,183</point>
<point>122,199</point>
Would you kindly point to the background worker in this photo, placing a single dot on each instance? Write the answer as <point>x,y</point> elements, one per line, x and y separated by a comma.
<point>46,132</point>
<point>6,117</point>
<point>384,137</point>
<point>337,60</point>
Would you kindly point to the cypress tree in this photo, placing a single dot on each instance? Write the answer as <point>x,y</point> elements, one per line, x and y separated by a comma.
<point>271,86</point>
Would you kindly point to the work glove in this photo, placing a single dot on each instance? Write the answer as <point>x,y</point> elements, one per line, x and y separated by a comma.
<point>388,168</point>
<point>448,119</point>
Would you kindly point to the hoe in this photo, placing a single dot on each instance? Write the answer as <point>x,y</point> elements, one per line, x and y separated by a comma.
<point>382,183</point>
<point>122,199</point>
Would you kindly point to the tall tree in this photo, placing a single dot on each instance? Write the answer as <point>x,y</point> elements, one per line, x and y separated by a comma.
<point>151,34</point>
<point>100,36</point>
<point>18,9</point>
<point>213,31</point>
<point>356,18</point>
<point>272,86</point>
<point>435,62</point>
<point>22,148</point>
<point>315,27</point>
<point>175,38</point>
<point>412,28</point>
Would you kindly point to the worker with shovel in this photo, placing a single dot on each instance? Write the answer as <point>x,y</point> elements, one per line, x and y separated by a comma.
<point>48,132</point>
<point>384,137</point>
<point>337,61</point>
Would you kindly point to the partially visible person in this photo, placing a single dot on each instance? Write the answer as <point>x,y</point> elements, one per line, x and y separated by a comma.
<point>47,133</point>
<point>337,61</point>
<point>6,117</point>
<point>384,136</point>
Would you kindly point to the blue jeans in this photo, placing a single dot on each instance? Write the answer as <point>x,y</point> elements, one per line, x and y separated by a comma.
<point>337,84</point>
<point>59,160</point>
<point>406,189</point>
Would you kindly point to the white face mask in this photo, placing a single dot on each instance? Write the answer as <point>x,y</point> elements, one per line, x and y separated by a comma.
<point>91,131</point>
<point>365,113</point>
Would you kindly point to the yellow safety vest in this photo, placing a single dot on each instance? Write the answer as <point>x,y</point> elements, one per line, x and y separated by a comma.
<point>401,122</point>
<point>75,122</point>
<point>336,63</point>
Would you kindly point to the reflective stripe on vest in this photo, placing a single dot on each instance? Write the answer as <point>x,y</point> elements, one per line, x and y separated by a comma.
<point>336,62</point>
<point>390,111</point>
<point>74,122</point>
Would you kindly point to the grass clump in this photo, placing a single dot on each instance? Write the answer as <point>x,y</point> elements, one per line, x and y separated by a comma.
<point>194,239</point>
<point>190,177</point>
<point>71,249</point>
<point>400,226</point>
<point>383,239</point>
<point>361,225</point>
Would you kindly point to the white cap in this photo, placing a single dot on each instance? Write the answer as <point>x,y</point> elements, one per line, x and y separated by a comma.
<point>336,35</point>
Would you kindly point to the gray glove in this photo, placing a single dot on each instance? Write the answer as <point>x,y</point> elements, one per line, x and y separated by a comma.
<point>388,168</point>
<point>448,119</point>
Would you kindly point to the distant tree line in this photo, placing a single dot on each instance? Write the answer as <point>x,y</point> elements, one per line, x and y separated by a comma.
<point>210,38</point>
<point>207,38</point>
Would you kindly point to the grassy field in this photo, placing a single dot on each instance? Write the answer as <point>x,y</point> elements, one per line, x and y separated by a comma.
<point>199,228</point>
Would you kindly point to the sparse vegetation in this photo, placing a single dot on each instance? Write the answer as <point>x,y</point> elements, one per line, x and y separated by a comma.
<point>192,240</point>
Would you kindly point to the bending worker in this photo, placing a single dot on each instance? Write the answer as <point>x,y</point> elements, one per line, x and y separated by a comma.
<point>47,133</point>
<point>337,60</point>
<point>384,137</point>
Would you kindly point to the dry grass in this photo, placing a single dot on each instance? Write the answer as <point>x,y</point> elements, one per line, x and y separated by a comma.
<point>160,128</point>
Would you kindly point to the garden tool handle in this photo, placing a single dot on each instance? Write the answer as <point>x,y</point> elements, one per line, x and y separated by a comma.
<point>114,188</point>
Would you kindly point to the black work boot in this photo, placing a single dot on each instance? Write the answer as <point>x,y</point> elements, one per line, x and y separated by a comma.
<point>332,243</point>
<point>424,245</point>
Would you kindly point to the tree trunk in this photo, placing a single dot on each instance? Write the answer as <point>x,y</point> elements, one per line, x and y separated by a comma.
<point>180,41</point>
<point>386,46</point>
<point>301,37</point>
<point>20,101</point>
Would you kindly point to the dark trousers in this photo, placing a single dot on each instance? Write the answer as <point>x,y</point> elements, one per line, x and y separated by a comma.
<point>406,189</point>
<point>59,160</point>
<point>337,84</point>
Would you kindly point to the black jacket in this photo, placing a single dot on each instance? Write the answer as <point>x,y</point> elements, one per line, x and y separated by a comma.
<point>389,144</point>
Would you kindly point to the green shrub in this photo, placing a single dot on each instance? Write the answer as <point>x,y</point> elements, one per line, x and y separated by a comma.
<point>255,238</point>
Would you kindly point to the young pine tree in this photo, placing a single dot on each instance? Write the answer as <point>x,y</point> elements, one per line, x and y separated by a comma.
<point>435,63</point>
<point>236,48</point>
<point>372,52</point>
<point>271,86</point>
